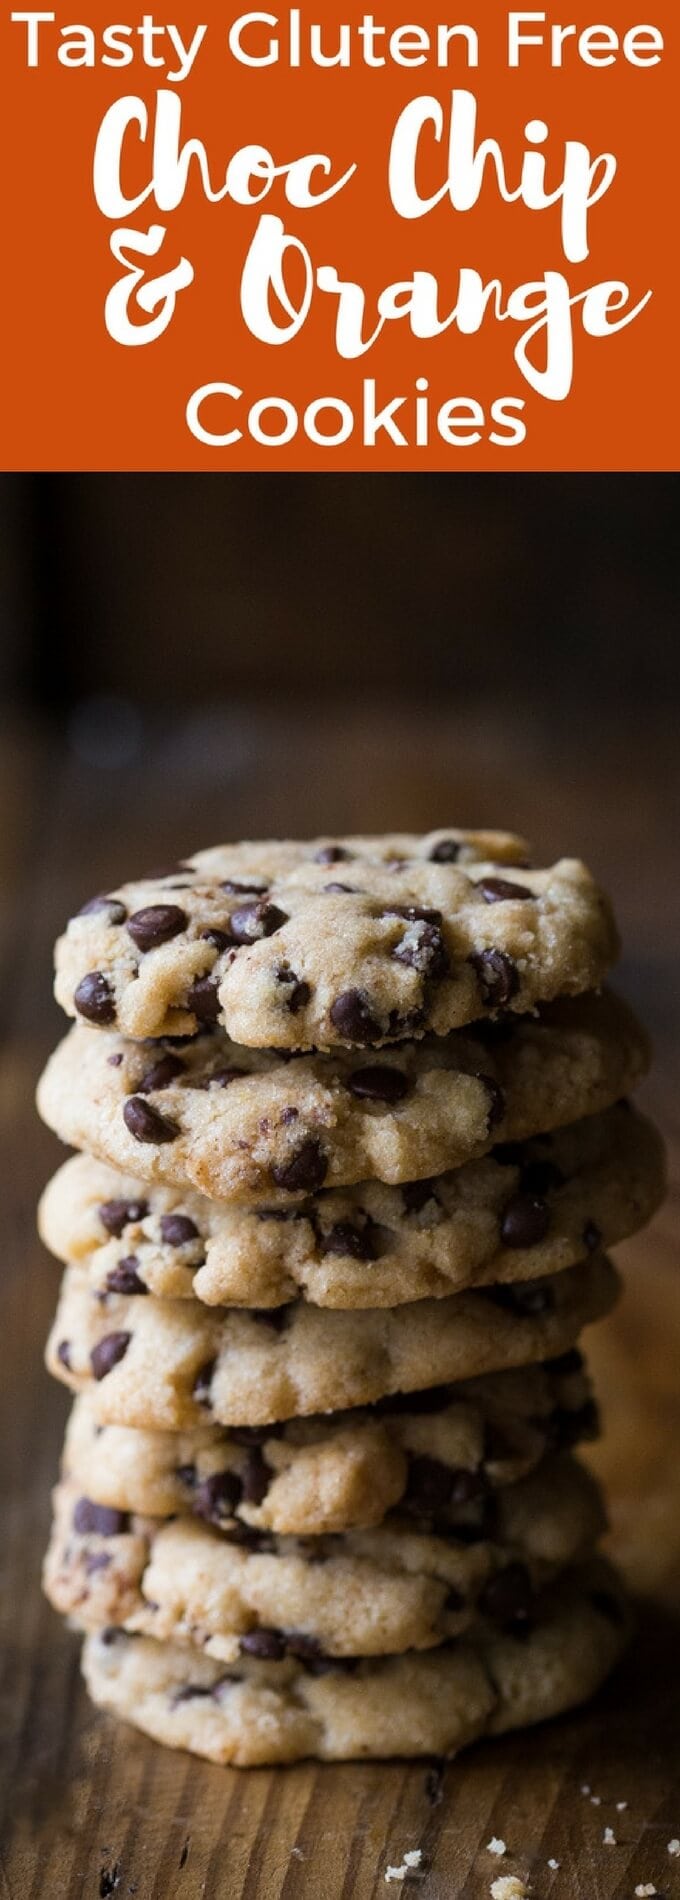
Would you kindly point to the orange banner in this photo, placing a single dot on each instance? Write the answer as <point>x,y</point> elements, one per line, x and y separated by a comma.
<point>322,238</point>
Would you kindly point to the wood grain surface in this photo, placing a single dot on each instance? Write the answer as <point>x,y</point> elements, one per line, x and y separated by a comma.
<point>90,1809</point>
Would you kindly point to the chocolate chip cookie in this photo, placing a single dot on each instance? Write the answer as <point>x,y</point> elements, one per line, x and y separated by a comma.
<point>433,1702</point>
<point>438,1455</point>
<point>367,1593</point>
<point>258,1129</point>
<point>525,1209</point>
<point>170,1365</point>
<point>342,948</point>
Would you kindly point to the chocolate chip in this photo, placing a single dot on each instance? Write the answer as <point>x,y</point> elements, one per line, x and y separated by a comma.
<point>116,912</point>
<point>160,1075</point>
<point>203,999</point>
<point>413,914</point>
<point>446,852</point>
<point>155,924</point>
<point>351,1015</point>
<point>64,1353</point>
<point>307,1649</point>
<point>377,1083</point>
<point>176,1229</point>
<point>497,975</point>
<point>246,1538</point>
<point>298,992</point>
<point>189,1691</point>
<point>496,1100</point>
<point>98,1519</point>
<point>256,1477</point>
<point>507,1598</point>
<point>116,1215</point>
<point>222,1078</point>
<point>305,1170</point>
<point>498,890</point>
<point>94,998</point>
<point>541,1177</point>
<point>592,1236</point>
<point>203,1382</point>
<point>186,1475</point>
<point>254,887</point>
<point>423,949</point>
<point>217,1497</point>
<point>357,1243</point>
<point>268,1645</point>
<point>525,1220</point>
<point>108,1352</point>
<point>404,1023</point>
<point>124,1278</point>
<point>218,938</point>
<point>251,922</point>
<point>416,1194</point>
<point>332,854</point>
<point>94,1561</point>
<point>114,1062</point>
<point>145,1122</point>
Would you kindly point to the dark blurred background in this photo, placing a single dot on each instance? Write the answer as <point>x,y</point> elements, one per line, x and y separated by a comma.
<point>190,658</point>
<point>168,589</point>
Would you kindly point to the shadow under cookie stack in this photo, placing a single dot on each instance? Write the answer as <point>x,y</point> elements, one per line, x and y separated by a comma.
<point>353,1140</point>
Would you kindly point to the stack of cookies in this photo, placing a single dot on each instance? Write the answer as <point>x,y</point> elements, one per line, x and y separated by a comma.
<point>353,1140</point>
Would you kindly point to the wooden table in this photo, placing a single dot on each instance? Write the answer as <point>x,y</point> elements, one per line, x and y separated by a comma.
<point>90,1809</point>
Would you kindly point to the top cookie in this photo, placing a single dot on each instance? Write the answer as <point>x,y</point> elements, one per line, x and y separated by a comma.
<point>335,943</point>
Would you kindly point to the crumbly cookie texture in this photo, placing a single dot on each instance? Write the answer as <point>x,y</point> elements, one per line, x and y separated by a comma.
<point>259,1129</point>
<point>523,1210</point>
<point>342,948</point>
<point>366,1593</point>
<point>433,1702</point>
<point>169,1365</point>
<point>439,1456</point>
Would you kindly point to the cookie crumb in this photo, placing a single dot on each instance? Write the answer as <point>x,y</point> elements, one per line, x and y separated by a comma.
<point>645,1893</point>
<point>554,1864</point>
<point>621,1807</point>
<point>508,1887</point>
<point>495,1846</point>
<point>596,1801</point>
<point>609,1837</point>
<point>411,1859</point>
<point>674,1848</point>
<point>586,1788</point>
